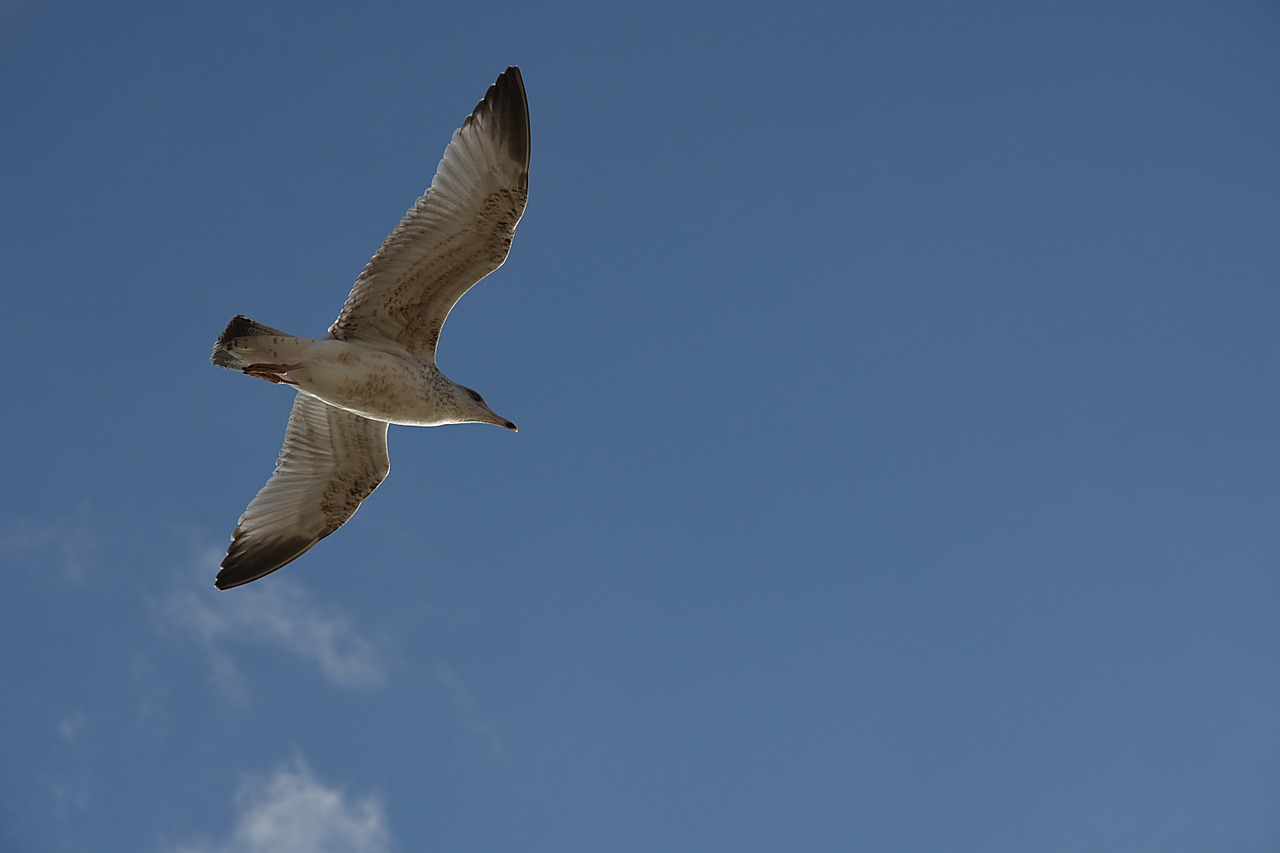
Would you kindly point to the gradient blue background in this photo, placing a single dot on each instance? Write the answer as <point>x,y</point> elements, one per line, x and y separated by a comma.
<point>897,467</point>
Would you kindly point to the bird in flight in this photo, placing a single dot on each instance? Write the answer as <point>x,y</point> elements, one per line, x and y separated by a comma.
<point>377,363</point>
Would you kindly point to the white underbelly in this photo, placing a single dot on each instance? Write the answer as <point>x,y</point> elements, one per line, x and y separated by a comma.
<point>370,383</point>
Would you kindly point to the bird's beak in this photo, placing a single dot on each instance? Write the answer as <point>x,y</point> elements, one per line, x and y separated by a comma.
<point>508,424</point>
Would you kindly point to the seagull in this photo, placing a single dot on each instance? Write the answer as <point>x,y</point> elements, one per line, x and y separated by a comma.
<point>377,363</point>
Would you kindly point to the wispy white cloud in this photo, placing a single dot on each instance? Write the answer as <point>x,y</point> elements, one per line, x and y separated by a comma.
<point>227,680</point>
<point>291,811</point>
<point>69,797</point>
<point>283,615</point>
<point>67,546</point>
<point>72,726</point>
<point>468,708</point>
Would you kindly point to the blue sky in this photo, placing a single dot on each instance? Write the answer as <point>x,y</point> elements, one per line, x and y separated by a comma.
<point>897,462</point>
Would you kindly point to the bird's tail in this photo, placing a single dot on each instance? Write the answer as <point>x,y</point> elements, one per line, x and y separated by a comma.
<point>232,337</point>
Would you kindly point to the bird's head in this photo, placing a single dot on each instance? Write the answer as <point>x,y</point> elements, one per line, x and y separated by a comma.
<point>472,409</point>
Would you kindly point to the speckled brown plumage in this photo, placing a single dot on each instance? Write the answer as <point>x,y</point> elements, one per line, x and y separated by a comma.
<point>455,235</point>
<point>330,462</point>
<point>377,364</point>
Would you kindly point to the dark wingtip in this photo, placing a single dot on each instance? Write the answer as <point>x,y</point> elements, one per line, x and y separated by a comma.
<point>243,566</point>
<point>507,101</point>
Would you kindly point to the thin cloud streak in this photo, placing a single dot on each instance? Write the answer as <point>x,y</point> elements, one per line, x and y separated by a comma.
<point>72,726</point>
<point>468,709</point>
<point>70,545</point>
<point>282,615</point>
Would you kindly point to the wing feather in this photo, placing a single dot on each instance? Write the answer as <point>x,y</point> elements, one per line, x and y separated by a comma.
<point>458,232</point>
<point>330,462</point>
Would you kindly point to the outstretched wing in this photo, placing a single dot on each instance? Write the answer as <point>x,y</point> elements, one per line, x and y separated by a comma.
<point>458,232</point>
<point>330,462</point>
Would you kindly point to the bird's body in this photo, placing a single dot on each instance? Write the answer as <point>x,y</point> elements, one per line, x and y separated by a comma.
<point>374,383</point>
<point>377,364</point>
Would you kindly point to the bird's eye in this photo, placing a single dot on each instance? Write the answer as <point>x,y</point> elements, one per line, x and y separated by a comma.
<point>475,396</point>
